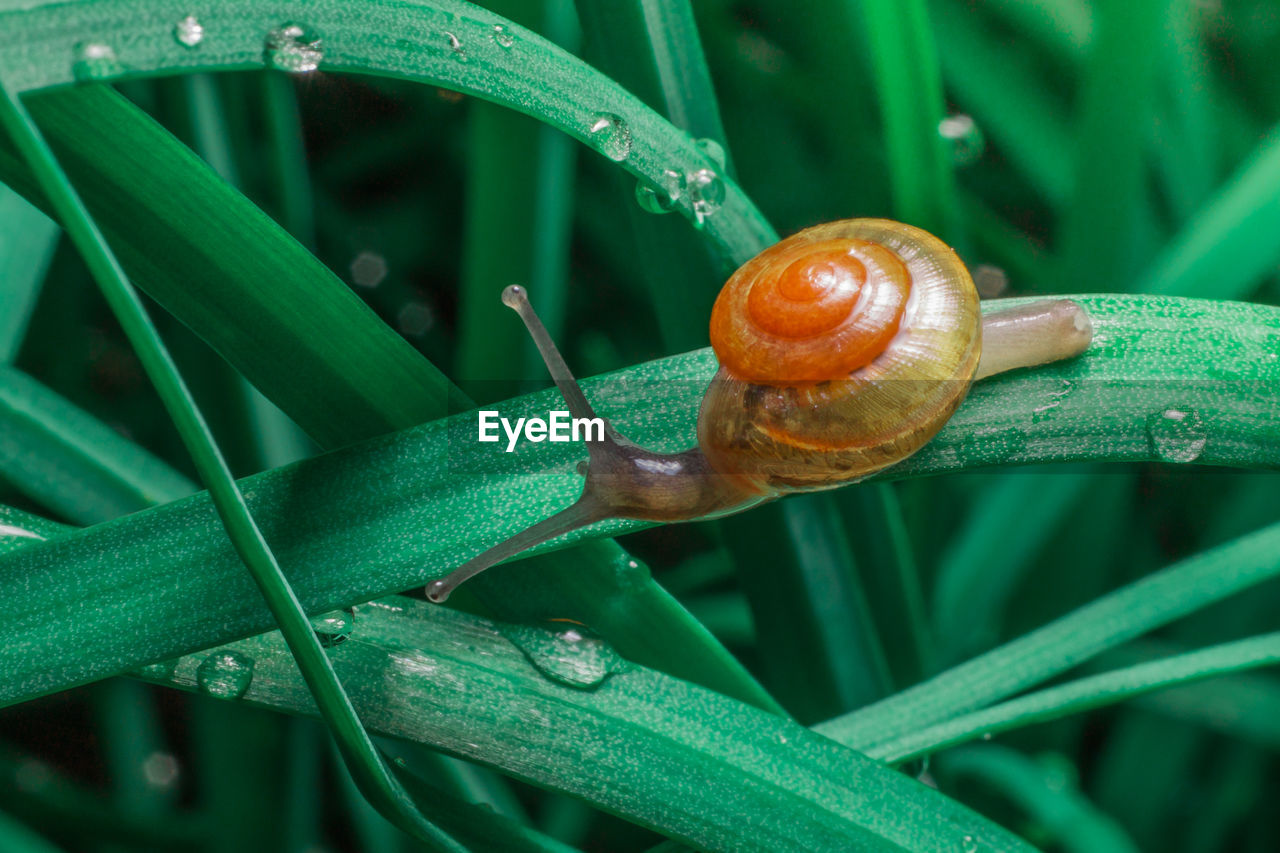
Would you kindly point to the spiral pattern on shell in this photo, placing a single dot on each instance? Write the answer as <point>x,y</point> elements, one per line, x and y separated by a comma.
<point>843,349</point>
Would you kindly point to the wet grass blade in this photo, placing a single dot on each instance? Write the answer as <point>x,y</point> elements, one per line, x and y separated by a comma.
<point>566,93</point>
<point>70,462</point>
<point>401,510</point>
<point>1106,622</point>
<point>583,736</point>
<point>1085,694</point>
<point>236,519</point>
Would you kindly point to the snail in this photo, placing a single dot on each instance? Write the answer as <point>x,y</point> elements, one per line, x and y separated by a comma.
<point>843,349</point>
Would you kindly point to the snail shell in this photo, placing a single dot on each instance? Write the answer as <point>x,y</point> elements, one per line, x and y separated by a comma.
<point>843,349</point>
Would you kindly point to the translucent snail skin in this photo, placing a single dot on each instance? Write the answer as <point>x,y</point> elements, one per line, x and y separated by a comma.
<point>843,350</point>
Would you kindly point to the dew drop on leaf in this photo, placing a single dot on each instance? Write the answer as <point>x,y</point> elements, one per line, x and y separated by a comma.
<point>964,139</point>
<point>663,198</point>
<point>188,32</point>
<point>571,656</point>
<point>333,627</point>
<point>612,136</point>
<point>294,49</point>
<point>95,60</point>
<point>503,37</point>
<point>225,675</point>
<point>1177,435</point>
<point>712,149</point>
<point>706,194</point>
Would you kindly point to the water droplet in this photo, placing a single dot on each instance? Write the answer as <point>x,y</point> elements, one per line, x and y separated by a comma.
<point>188,32</point>
<point>706,194</point>
<point>712,149</point>
<point>333,627</point>
<point>612,136</point>
<point>225,675</point>
<point>571,656</point>
<point>969,844</point>
<point>503,37</point>
<point>161,670</point>
<point>964,138</point>
<point>94,61</point>
<point>1176,435</point>
<point>663,198</point>
<point>455,45</point>
<point>293,48</point>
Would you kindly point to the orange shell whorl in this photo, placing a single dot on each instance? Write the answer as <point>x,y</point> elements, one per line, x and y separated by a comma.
<point>806,399</point>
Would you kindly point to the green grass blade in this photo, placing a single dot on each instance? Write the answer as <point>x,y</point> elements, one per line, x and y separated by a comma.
<point>1226,248</point>
<point>1106,622</point>
<point>435,487</point>
<point>1098,236</point>
<point>1001,91</point>
<point>27,241</point>
<point>1054,804</point>
<point>414,659</point>
<point>1084,694</point>
<point>817,641</point>
<point>907,77</point>
<point>67,460</point>
<point>520,196</point>
<point>239,525</point>
<point>566,93</point>
<point>204,251</point>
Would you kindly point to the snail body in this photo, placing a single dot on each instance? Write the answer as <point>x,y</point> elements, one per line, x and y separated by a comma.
<point>843,349</point>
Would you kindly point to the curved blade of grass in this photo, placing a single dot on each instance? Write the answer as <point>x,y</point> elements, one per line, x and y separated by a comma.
<point>404,509</point>
<point>1084,694</point>
<point>630,744</point>
<point>27,241</point>
<point>401,510</point>
<point>533,76</point>
<point>1054,803</point>
<point>334,705</point>
<point>907,77</point>
<point>1254,698</point>
<point>67,460</point>
<point>1104,623</point>
<point>1099,230</point>
<point>204,251</point>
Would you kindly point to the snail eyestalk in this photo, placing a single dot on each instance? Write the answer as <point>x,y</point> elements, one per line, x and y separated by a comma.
<point>623,480</point>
